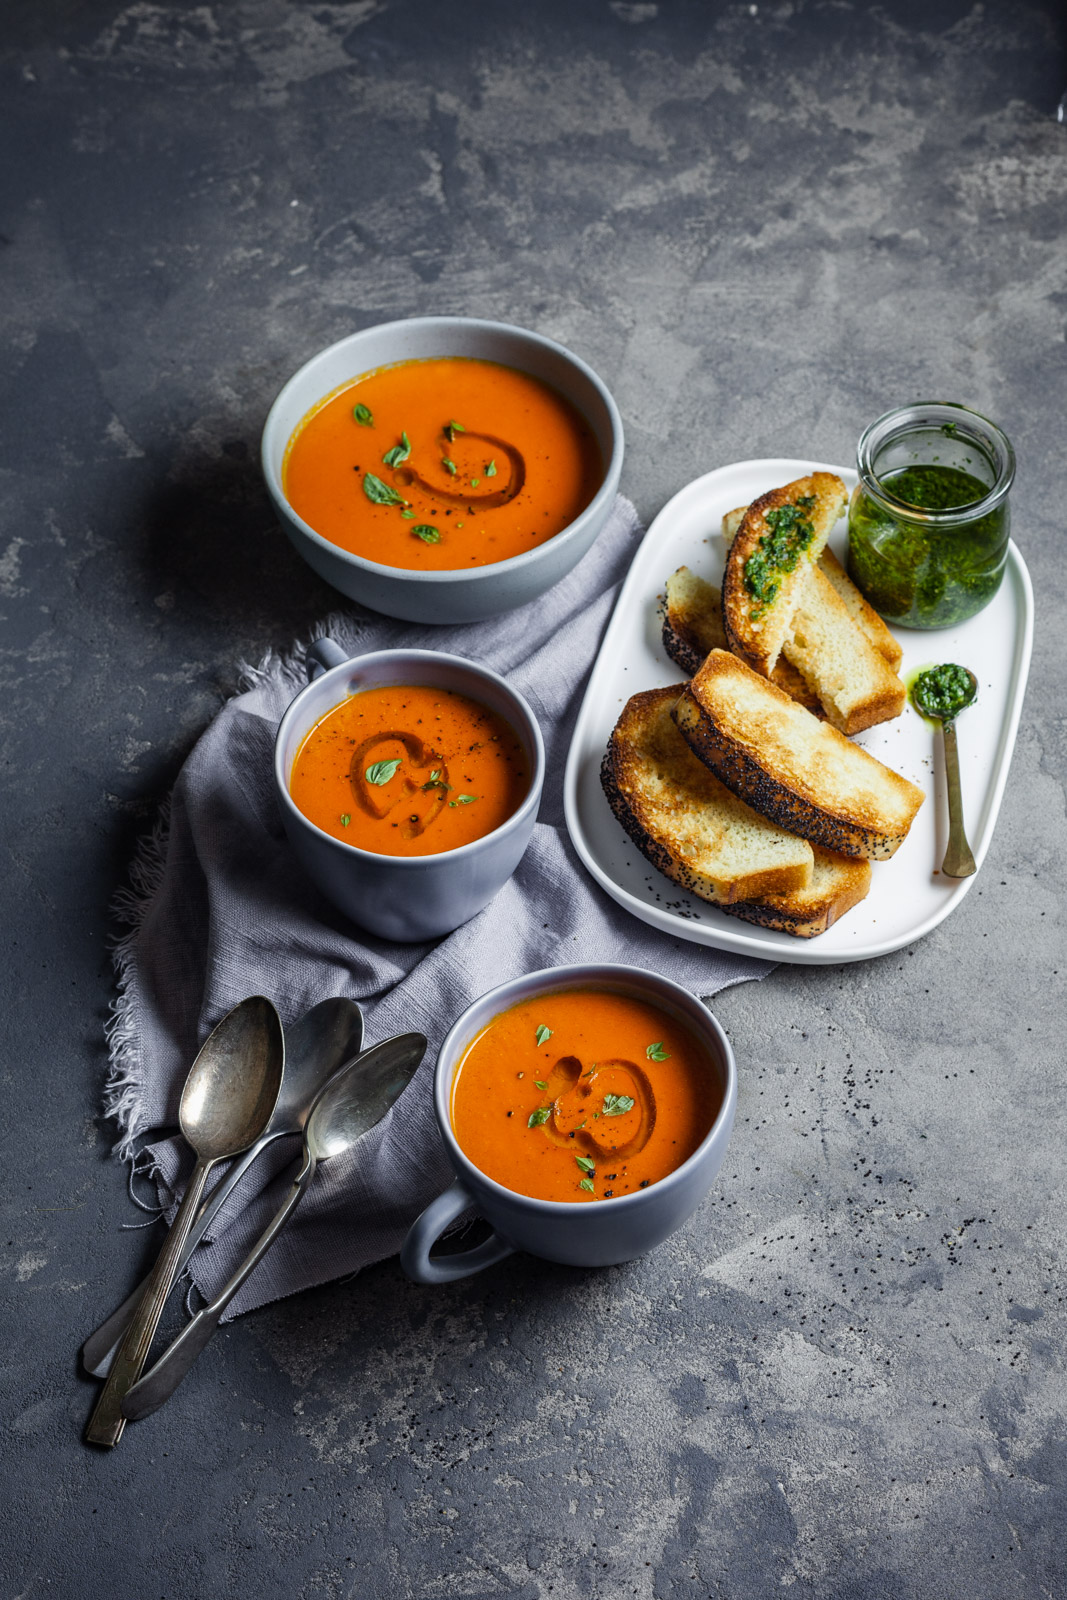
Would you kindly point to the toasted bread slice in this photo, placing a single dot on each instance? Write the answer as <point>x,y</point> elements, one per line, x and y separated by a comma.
<point>780,538</point>
<point>855,685</point>
<point>837,884</point>
<point>692,625</point>
<point>800,772</point>
<point>692,620</point>
<point>862,614</point>
<point>840,653</point>
<point>685,821</point>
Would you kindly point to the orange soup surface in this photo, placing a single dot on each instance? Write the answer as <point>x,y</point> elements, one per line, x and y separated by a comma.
<point>443,464</point>
<point>409,771</point>
<point>583,1095</point>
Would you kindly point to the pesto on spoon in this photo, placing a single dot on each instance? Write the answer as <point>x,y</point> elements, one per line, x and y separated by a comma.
<point>941,693</point>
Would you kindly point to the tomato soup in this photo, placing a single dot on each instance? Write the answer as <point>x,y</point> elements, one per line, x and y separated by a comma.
<point>409,771</point>
<point>442,464</point>
<point>583,1095</point>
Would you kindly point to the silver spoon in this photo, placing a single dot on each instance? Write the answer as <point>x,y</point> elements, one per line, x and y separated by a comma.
<point>354,1100</point>
<point>327,1035</point>
<point>227,1103</point>
<point>942,701</point>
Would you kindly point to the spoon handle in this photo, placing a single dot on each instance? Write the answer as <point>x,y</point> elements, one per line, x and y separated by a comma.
<point>958,862</point>
<point>107,1422</point>
<point>149,1392</point>
<point>99,1349</point>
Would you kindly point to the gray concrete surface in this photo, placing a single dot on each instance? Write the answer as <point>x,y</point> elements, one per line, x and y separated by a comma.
<point>763,225</point>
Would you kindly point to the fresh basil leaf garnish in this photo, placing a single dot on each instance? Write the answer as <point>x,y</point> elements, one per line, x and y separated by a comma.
<point>490,470</point>
<point>656,1052</point>
<point>363,416</point>
<point>399,452</point>
<point>475,482</point>
<point>345,819</point>
<point>452,428</point>
<point>463,800</point>
<point>382,771</point>
<point>539,1084</point>
<point>427,533</point>
<point>543,1034</point>
<point>616,1105</point>
<point>586,1183</point>
<point>587,1165</point>
<point>540,1116</point>
<point>380,492</point>
<point>449,466</point>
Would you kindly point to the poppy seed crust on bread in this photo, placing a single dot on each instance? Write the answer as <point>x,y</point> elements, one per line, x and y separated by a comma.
<point>688,824</point>
<point>789,766</point>
<point>838,883</point>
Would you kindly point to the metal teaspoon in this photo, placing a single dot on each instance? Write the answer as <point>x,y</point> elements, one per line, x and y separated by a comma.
<point>351,1103</point>
<point>226,1104</point>
<point>941,693</point>
<point>315,1047</point>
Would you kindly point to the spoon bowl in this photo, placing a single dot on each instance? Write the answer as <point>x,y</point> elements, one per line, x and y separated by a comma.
<point>316,1047</point>
<point>233,1085</point>
<point>358,1098</point>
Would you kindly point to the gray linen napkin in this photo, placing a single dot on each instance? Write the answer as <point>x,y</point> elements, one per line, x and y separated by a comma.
<point>218,909</point>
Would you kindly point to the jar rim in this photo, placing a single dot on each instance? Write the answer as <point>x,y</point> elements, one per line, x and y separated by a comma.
<point>926,415</point>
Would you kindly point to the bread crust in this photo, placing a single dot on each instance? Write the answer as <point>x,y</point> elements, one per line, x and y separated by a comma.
<point>692,627</point>
<point>752,747</point>
<point>645,743</point>
<point>860,609</point>
<point>839,883</point>
<point>855,684</point>
<point>757,634</point>
<point>692,620</point>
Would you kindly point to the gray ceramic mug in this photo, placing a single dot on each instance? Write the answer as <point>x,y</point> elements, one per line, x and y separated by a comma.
<point>592,1233</point>
<point>406,898</point>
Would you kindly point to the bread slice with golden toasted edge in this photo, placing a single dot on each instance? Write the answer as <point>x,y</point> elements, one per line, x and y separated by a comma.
<point>801,773</point>
<point>685,821</point>
<point>692,625</point>
<point>837,884</point>
<point>836,650</point>
<point>692,620</point>
<point>862,613</point>
<point>855,685</point>
<point>780,538</point>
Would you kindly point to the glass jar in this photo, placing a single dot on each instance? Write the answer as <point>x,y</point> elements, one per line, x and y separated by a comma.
<point>928,522</point>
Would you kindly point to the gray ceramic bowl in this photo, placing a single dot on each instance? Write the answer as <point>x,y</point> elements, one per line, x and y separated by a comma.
<point>465,595</point>
<point>591,1233</point>
<point>405,897</point>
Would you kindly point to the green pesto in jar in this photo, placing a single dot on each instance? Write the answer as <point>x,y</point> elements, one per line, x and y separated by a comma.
<point>789,533</point>
<point>943,692</point>
<point>920,574</point>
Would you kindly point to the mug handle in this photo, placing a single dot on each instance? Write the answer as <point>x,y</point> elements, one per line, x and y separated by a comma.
<point>415,1257</point>
<point>321,656</point>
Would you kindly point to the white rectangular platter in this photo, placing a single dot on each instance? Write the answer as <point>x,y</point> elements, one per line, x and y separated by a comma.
<point>909,896</point>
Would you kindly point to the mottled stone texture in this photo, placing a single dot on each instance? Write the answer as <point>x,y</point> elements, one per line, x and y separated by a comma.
<point>763,226</point>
